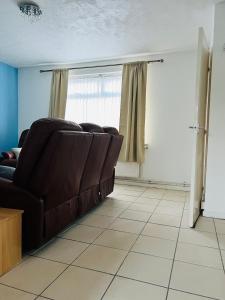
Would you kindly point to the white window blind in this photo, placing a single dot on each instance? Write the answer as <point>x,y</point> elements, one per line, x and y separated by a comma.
<point>95,99</point>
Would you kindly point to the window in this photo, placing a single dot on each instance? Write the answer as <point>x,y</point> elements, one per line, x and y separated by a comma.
<point>95,99</point>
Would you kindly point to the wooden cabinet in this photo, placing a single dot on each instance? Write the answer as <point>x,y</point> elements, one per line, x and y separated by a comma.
<point>10,238</point>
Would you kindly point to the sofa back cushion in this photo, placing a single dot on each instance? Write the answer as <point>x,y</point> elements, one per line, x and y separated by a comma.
<point>110,130</point>
<point>34,145</point>
<point>91,127</point>
<point>23,137</point>
<point>57,176</point>
<point>95,161</point>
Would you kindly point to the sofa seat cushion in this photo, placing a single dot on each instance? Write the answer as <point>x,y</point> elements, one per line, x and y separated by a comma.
<point>7,172</point>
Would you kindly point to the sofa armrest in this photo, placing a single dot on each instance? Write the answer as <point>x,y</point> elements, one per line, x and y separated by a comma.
<point>12,196</point>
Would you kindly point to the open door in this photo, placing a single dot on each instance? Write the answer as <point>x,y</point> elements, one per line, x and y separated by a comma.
<point>199,129</point>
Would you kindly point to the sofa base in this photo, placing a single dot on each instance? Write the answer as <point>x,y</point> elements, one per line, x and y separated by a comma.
<point>106,187</point>
<point>57,218</point>
<point>88,199</point>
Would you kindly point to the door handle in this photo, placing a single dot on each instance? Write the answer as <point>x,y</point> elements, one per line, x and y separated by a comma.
<point>198,128</point>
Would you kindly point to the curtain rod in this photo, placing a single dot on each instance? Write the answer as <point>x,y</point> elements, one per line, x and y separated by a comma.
<point>103,66</point>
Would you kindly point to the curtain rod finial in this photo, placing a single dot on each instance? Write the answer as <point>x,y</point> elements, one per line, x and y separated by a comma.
<point>161,60</point>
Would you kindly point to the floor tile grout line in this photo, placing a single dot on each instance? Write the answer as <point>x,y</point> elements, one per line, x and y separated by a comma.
<point>132,202</point>
<point>139,196</point>
<point>189,243</point>
<point>118,268</point>
<point>129,251</point>
<point>96,238</point>
<point>163,224</point>
<point>123,218</point>
<point>18,289</point>
<point>68,266</point>
<point>128,208</point>
<point>104,229</point>
<point>115,217</point>
<point>133,245</point>
<point>85,250</point>
<point>68,239</point>
<point>164,287</point>
<point>136,280</point>
<point>63,238</point>
<point>78,224</point>
<point>110,273</point>
<point>43,298</point>
<point>92,243</point>
<point>198,265</point>
<point>173,261</point>
<point>146,282</point>
<point>132,279</point>
<point>149,220</point>
<point>221,257</point>
<point>91,269</point>
<point>30,253</point>
<point>124,231</point>
<point>185,292</point>
<point>151,215</point>
<point>142,281</point>
<point>159,238</point>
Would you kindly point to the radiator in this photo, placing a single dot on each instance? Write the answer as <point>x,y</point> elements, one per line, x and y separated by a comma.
<point>131,170</point>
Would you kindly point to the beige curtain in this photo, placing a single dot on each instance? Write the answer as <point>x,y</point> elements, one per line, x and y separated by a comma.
<point>58,96</point>
<point>132,112</point>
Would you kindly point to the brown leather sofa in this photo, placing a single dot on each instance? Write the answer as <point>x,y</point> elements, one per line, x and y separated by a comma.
<point>58,177</point>
<point>11,162</point>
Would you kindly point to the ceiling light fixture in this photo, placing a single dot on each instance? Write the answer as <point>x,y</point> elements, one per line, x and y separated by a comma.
<point>30,10</point>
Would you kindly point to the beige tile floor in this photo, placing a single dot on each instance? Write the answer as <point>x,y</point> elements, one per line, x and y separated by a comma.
<point>135,245</point>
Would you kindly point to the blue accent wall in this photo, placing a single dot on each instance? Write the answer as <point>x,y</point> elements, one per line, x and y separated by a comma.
<point>8,107</point>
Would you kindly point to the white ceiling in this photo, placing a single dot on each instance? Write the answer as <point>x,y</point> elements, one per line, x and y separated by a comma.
<point>84,30</point>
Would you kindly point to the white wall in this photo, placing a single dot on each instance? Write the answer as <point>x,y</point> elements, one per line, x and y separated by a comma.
<point>170,111</point>
<point>215,177</point>
<point>34,95</point>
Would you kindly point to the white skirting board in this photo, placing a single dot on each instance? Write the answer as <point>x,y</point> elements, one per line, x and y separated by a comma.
<point>149,183</point>
<point>214,214</point>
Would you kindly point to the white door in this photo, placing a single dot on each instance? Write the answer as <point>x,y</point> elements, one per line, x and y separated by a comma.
<point>199,129</point>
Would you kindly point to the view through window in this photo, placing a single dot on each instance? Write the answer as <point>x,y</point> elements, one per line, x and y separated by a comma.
<point>94,99</point>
